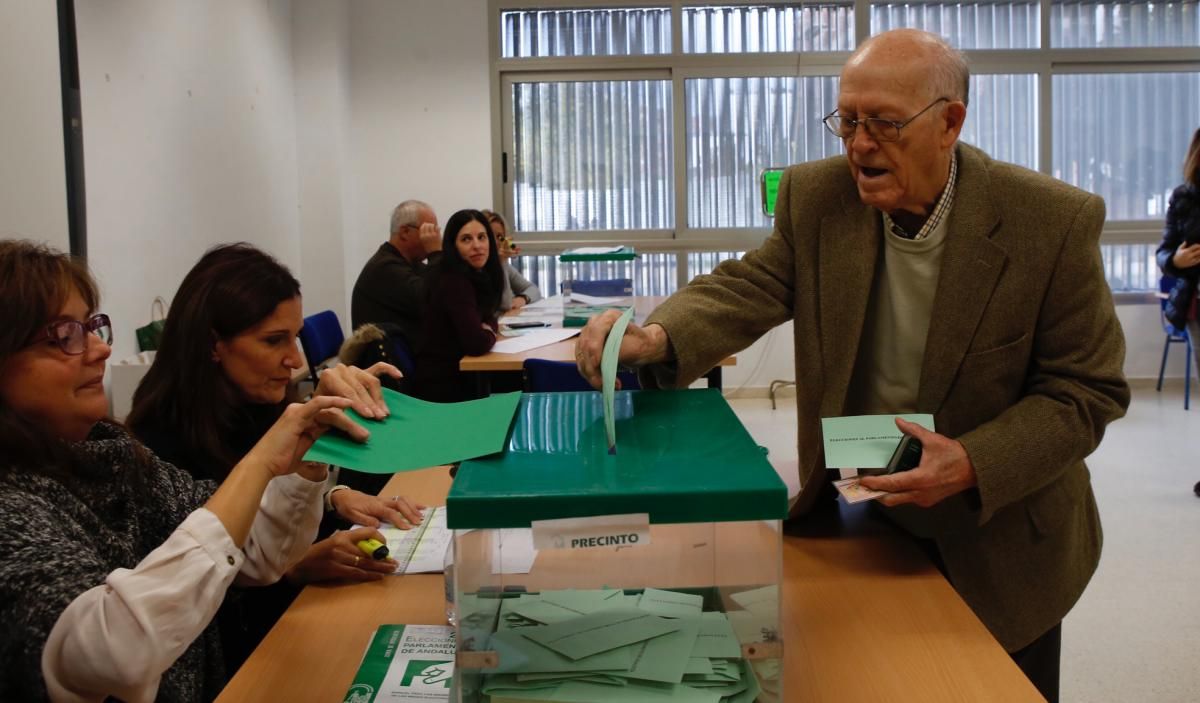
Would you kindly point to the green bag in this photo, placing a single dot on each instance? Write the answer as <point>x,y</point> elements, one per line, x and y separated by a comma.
<point>149,336</point>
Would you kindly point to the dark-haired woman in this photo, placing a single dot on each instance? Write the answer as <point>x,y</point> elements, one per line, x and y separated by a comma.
<point>113,562</point>
<point>220,378</point>
<point>1179,253</point>
<point>460,311</point>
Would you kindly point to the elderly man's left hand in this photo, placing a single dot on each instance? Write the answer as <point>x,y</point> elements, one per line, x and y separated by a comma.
<point>360,386</point>
<point>362,509</point>
<point>945,470</point>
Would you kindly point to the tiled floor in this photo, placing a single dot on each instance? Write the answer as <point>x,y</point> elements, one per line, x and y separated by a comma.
<point>1135,634</point>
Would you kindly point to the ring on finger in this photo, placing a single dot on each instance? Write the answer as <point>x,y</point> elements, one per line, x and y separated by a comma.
<point>357,559</point>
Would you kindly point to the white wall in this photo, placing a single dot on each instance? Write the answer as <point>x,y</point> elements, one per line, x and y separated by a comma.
<point>419,111</point>
<point>33,187</point>
<point>321,59</point>
<point>299,126</point>
<point>189,141</point>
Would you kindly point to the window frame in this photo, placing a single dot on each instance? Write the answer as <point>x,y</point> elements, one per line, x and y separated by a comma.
<point>1044,62</point>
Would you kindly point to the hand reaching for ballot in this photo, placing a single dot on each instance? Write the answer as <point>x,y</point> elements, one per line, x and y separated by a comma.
<point>945,470</point>
<point>639,346</point>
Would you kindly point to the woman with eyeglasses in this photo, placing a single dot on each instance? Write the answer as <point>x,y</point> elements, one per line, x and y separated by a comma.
<point>112,561</point>
<point>460,309</point>
<point>516,291</point>
<point>220,379</point>
<point>1179,253</point>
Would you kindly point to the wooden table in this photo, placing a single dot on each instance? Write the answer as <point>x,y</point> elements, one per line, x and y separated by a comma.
<point>865,618</point>
<point>494,362</point>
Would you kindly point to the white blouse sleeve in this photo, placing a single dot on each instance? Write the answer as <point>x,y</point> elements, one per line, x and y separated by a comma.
<point>118,638</point>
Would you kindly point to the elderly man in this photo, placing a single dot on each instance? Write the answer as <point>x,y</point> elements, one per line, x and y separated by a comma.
<point>390,290</point>
<point>923,276</point>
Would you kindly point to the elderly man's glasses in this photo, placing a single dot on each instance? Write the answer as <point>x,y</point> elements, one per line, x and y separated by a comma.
<point>71,336</point>
<point>881,130</point>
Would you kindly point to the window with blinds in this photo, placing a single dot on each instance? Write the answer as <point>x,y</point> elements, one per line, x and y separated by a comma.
<point>653,123</point>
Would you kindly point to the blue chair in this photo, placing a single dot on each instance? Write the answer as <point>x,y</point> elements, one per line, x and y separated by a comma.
<point>1174,336</point>
<point>618,287</point>
<point>320,338</point>
<point>545,376</point>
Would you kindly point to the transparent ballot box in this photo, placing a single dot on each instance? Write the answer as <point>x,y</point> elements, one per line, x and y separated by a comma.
<point>596,279</point>
<point>653,571</point>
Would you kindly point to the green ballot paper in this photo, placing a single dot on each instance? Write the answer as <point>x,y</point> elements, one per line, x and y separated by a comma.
<point>864,441</point>
<point>420,434</point>
<point>608,373</point>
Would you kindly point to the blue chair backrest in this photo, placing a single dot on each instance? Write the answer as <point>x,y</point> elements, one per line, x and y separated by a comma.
<point>1165,284</point>
<point>604,287</point>
<point>545,376</point>
<point>321,337</point>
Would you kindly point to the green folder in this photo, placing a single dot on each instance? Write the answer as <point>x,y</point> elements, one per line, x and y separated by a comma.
<point>420,434</point>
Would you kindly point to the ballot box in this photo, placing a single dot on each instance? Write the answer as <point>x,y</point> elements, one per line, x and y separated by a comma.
<point>596,279</point>
<point>648,572</point>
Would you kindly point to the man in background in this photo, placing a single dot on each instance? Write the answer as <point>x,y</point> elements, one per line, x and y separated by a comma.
<point>390,290</point>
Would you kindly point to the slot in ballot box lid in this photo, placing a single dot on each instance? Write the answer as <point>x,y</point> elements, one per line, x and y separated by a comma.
<point>682,457</point>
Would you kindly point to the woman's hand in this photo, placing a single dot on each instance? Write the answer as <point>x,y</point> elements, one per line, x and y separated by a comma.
<point>338,558</point>
<point>1186,256</point>
<point>292,435</point>
<point>363,509</point>
<point>518,302</point>
<point>360,386</point>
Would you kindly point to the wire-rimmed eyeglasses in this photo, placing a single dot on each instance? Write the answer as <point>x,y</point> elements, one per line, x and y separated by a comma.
<point>71,336</point>
<point>881,130</point>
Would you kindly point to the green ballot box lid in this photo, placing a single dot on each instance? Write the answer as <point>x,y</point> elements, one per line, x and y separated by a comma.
<point>681,457</point>
<point>623,253</point>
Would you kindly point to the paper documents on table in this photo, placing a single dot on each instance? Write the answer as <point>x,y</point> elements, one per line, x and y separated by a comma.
<point>420,434</point>
<point>605,645</point>
<point>405,664</point>
<point>864,441</point>
<point>533,339</point>
<point>585,251</point>
<point>594,299</point>
<point>421,549</point>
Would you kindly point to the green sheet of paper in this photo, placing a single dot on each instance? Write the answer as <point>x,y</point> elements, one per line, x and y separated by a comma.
<point>608,373</point>
<point>519,654</point>
<point>419,434</point>
<point>583,692</point>
<point>670,604</point>
<point>600,632</point>
<point>664,659</point>
<point>864,441</point>
<point>716,639</point>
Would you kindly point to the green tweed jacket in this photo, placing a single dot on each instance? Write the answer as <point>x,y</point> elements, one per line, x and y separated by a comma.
<point>1022,363</point>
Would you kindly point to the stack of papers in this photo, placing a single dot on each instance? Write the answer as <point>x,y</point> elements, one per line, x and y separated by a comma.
<point>587,646</point>
<point>422,549</point>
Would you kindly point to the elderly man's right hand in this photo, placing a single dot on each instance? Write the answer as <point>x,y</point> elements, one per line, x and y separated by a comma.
<point>431,237</point>
<point>639,346</point>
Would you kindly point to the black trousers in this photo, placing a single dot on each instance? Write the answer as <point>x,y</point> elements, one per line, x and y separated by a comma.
<point>1039,660</point>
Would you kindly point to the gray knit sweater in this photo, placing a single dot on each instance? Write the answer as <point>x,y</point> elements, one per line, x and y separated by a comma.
<point>59,538</point>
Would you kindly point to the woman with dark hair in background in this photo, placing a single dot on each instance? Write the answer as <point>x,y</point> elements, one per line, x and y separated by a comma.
<point>220,378</point>
<point>112,561</point>
<point>516,291</point>
<point>460,312</point>
<point>1179,253</point>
